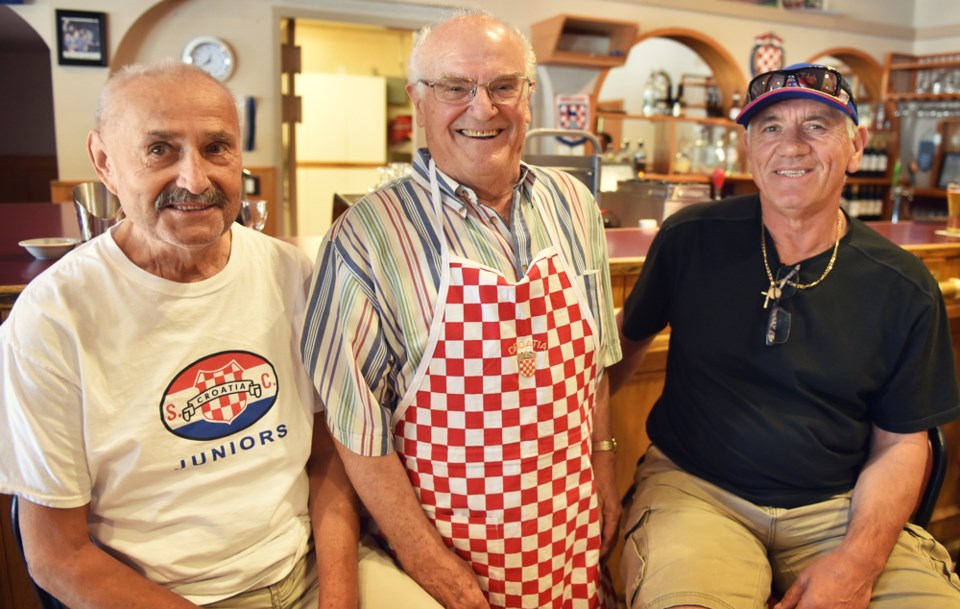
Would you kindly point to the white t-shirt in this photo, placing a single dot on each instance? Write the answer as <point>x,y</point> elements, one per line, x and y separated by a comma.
<point>179,411</point>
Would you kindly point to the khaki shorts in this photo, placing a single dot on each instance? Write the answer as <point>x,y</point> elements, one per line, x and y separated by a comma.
<point>298,590</point>
<point>688,542</point>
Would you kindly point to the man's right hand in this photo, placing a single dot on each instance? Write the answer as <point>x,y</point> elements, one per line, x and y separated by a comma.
<point>454,585</point>
<point>385,489</point>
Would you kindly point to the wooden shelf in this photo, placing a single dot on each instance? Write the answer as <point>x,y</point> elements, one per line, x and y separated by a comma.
<point>877,181</point>
<point>923,97</point>
<point>583,41</point>
<point>933,193</point>
<point>903,76</point>
<point>695,178</point>
<point>931,65</point>
<point>903,73</point>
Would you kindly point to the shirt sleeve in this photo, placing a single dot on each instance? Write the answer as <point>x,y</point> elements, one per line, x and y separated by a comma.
<point>608,321</point>
<point>922,392</point>
<point>41,423</point>
<point>345,351</point>
<point>646,309</point>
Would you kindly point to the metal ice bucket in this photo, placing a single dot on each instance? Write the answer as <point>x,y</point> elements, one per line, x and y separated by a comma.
<point>97,209</point>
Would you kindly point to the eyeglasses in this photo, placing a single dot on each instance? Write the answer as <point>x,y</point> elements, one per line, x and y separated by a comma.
<point>503,90</point>
<point>778,324</point>
<point>823,79</point>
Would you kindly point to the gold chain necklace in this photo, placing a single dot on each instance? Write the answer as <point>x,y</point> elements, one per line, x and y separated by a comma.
<point>773,292</point>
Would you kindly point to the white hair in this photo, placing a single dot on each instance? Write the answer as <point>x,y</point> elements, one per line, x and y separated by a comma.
<point>415,62</point>
<point>167,67</point>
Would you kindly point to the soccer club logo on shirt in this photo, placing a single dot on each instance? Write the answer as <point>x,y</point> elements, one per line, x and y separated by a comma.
<point>219,395</point>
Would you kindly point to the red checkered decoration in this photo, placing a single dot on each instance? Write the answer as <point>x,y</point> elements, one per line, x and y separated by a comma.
<point>501,458</point>
<point>224,408</point>
<point>767,54</point>
<point>572,112</point>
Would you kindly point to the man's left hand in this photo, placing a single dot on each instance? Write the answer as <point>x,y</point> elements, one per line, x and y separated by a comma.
<point>835,581</point>
<point>603,473</point>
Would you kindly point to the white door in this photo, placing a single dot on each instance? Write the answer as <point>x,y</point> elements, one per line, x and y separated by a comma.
<point>337,153</point>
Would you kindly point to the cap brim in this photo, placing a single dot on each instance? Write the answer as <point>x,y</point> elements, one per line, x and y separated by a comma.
<point>779,95</point>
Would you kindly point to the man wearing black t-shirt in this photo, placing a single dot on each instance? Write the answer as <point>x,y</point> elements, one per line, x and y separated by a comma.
<point>808,356</point>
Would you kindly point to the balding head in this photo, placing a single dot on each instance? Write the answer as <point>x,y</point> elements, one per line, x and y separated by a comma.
<point>433,38</point>
<point>160,78</point>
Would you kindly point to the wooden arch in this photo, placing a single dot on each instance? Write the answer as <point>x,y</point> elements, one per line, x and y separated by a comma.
<point>727,75</point>
<point>867,69</point>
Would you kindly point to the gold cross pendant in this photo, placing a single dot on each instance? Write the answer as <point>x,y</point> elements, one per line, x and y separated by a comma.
<point>772,293</point>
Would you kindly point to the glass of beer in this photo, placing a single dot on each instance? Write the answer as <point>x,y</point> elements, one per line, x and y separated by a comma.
<point>953,207</point>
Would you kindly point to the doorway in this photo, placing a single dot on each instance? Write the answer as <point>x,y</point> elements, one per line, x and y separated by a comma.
<point>352,48</point>
<point>28,150</point>
<point>351,90</point>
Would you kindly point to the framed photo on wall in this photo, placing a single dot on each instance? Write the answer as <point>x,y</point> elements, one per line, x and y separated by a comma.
<point>81,38</point>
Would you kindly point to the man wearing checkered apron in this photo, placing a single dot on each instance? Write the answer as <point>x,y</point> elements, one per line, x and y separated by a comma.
<point>459,324</point>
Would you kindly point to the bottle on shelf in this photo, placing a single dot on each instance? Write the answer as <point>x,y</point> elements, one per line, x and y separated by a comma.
<point>640,160</point>
<point>881,121</point>
<point>863,201</point>
<point>624,155</point>
<point>679,107</point>
<point>699,163</point>
<point>734,106</point>
<point>713,101</point>
<point>883,157</point>
<point>649,100</point>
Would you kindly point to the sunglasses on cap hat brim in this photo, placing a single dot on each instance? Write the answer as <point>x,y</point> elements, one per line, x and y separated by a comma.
<point>820,83</point>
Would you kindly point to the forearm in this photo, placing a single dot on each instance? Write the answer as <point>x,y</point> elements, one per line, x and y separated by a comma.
<point>67,564</point>
<point>604,468</point>
<point>882,499</point>
<point>884,496</point>
<point>335,521</point>
<point>383,486</point>
<point>633,352</point>
<point>602,421</point>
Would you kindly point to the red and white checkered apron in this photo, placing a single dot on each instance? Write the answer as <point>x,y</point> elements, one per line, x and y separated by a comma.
<point>496,440</point>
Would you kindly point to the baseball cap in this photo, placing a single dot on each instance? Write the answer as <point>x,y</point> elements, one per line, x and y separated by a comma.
<point>799,81</point>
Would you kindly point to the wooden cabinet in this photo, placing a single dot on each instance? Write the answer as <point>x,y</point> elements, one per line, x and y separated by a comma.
<point>922,78</point>
<point>665,135</point>
<point>669,134</point>
<point>583,41</point>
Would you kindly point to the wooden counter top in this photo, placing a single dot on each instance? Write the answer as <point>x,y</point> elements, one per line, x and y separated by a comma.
<point>21,221</point>
<point>627,248</point>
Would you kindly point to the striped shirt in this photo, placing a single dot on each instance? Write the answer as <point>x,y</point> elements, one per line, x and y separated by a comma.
<point>378,272</point>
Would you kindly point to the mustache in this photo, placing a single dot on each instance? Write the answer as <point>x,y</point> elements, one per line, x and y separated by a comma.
<point>174,195</point>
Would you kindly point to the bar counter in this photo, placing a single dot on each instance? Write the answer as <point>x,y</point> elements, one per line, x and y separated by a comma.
<point>627,248</point>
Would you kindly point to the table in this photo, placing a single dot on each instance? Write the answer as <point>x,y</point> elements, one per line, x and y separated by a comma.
<point>28,221</point>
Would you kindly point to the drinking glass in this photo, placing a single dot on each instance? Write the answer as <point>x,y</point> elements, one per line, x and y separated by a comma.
<point>254,213</point>
<point>953,207</point>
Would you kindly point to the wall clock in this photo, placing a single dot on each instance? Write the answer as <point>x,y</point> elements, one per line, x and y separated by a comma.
<point>212,55</point>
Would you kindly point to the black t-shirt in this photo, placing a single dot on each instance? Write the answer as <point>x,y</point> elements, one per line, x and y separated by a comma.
<point>789,424</point>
